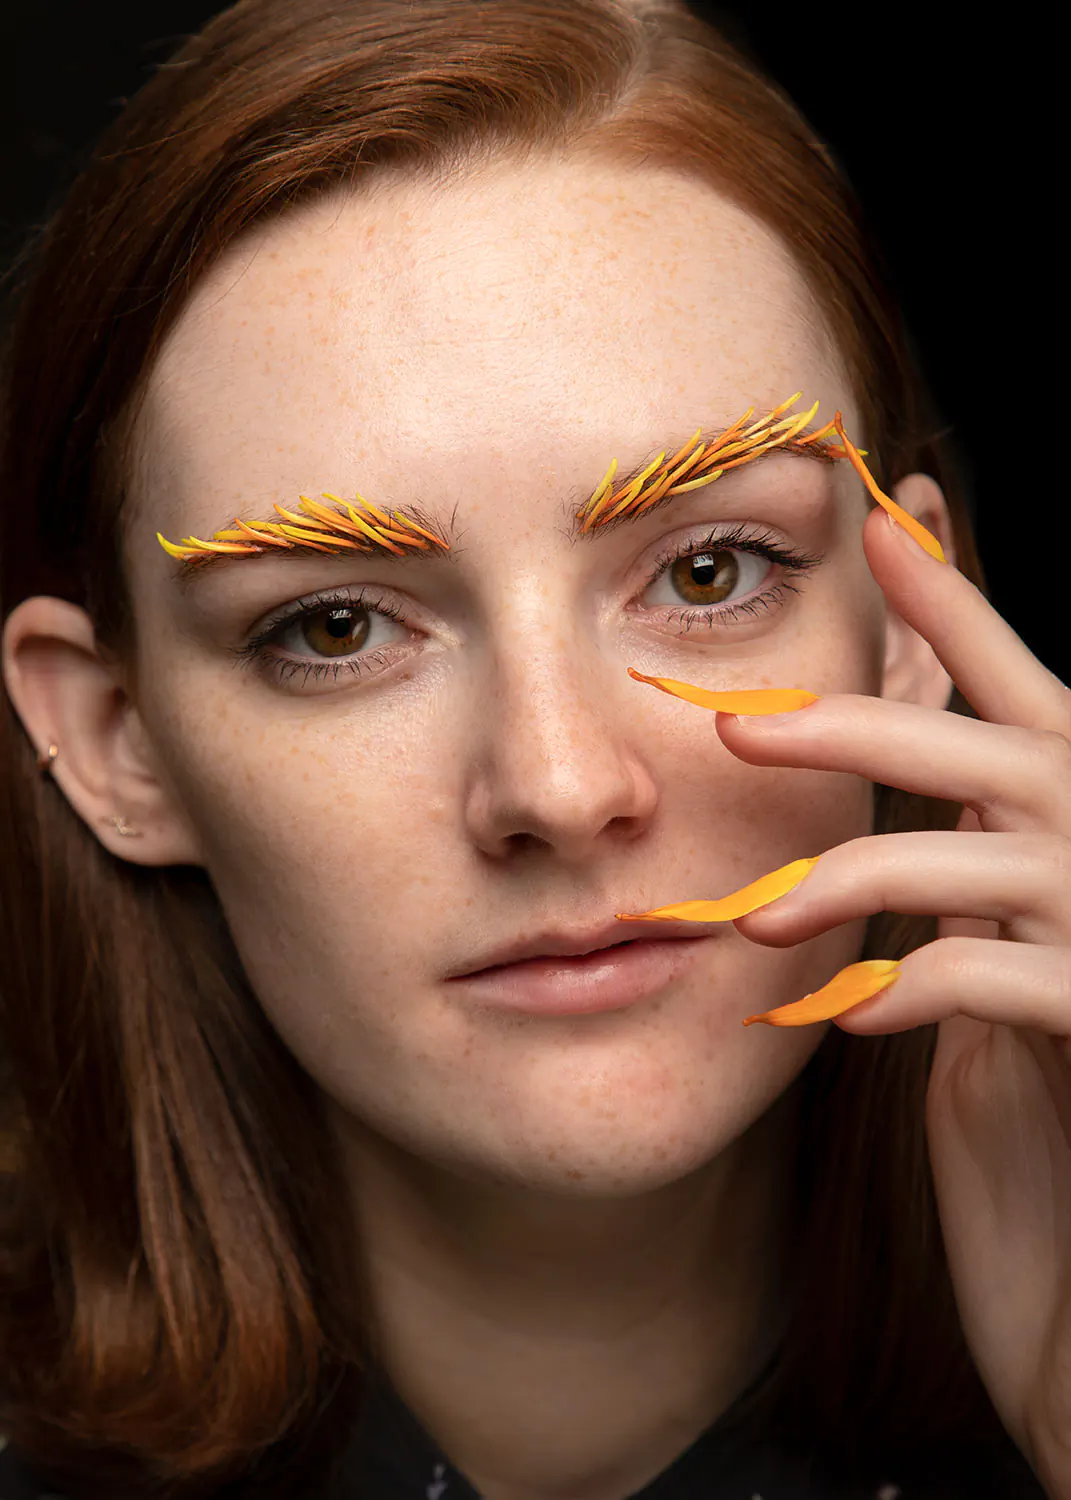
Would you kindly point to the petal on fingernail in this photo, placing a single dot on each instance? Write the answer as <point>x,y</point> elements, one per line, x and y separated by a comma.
<point>736,701</point>
<point>727,908</point>
<point>856,983</point>
<point>926,539</point>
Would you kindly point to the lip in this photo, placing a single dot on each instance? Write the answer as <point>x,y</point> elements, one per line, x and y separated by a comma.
<point>577,943</point>
<point>601,980</point>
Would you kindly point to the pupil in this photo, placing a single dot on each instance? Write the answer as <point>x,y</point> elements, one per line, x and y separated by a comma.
<point>339,624</point>
<point>336,632</point>
<point>706,577</point>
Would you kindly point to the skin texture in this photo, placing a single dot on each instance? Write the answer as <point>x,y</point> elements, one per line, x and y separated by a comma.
<point>553,1208</point>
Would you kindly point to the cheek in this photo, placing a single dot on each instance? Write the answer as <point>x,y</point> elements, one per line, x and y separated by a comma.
<point>319,841</point>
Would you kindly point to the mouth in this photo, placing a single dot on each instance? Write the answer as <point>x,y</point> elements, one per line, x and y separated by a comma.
<point>610,977</point>
<point>607,937</point>
<point>556,960</point>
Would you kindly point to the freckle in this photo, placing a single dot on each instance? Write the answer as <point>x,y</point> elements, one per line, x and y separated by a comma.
<point>576,1176</point>
<point>293,749</point>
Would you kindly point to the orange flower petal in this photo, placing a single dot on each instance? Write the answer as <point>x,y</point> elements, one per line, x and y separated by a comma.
<point>850,987</point>
<point>261,537</point>
<point>736,701</point>
<point>412,526</point>
<point>373,510</point>
<point>926,539</point>
<point>727,908</point>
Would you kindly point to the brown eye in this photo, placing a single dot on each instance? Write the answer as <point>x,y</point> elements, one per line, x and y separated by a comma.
<point>705,577</point>
<point>337,631</point>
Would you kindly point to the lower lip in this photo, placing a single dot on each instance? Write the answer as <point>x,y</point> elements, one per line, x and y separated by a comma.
<point>608,979</point>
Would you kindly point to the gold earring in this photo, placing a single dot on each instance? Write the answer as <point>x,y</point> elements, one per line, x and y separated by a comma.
<point>119,823</point>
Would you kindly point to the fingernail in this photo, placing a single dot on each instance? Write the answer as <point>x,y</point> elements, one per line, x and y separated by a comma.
<point>853,985</point>
<point>727,908</point>
<point>900,520</point>
<point>771,721</point>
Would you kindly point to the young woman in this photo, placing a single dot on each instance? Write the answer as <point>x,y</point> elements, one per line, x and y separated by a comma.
<point>394,380</point>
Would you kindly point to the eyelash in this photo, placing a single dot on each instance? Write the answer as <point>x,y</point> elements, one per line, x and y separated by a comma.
<point>795,564</point>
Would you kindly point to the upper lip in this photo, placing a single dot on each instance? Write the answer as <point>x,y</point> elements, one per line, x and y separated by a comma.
<point>576,943</point>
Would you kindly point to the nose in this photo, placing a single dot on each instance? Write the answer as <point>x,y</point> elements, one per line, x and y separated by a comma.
<point>555,757</point>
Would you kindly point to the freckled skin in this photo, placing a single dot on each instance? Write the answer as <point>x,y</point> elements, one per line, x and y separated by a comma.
<point>506,774</point>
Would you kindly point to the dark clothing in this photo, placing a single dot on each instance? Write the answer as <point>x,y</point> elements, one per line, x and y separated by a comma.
<point>393,1458</point>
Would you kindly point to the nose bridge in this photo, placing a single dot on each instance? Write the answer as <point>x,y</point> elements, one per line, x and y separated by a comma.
<point>555,758</point>
<point>551,688</point>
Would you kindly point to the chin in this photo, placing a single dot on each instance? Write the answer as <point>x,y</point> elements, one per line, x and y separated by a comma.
<point>623,1157</point>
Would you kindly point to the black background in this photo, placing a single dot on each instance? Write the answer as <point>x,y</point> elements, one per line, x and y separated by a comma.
<point>947,129</point>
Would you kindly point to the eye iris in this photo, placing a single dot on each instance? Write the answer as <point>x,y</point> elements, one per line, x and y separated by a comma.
<point>701,580</point>
<point>335,636</point>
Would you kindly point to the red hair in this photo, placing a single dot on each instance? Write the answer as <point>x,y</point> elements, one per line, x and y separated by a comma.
<point>176,1285</point>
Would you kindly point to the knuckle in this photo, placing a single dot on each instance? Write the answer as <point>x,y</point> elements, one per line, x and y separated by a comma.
<point>1055,751</point>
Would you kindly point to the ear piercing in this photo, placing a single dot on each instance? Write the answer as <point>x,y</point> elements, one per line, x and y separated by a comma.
<point>45,762</point>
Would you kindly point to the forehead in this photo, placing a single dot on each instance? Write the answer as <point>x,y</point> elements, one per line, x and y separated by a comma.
<point>529,312</point>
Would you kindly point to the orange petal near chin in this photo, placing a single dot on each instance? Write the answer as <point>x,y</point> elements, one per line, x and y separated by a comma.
<point>851,986</point>
<point>736,701</point>
<point>727,908</point>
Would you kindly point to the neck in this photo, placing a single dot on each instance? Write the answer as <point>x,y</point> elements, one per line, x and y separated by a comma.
<point>573,1347</point>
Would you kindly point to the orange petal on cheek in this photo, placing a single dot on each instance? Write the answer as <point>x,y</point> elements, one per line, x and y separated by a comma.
<point>739,701</point>
<point>851,986</point>
<point>727,908</point>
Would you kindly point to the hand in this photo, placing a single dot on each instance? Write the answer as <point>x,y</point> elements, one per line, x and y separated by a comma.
<point>998,978</point>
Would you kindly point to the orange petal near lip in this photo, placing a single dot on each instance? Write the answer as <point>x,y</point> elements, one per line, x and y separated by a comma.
<point>851,986</point>
<point>738,701</point>
<point>727,908</point>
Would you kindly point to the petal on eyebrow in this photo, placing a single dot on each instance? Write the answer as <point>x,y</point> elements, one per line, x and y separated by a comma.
<point>734,446</point>
<point>321,529</point>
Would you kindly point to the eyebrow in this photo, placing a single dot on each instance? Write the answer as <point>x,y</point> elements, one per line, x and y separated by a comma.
<point>413,533</point>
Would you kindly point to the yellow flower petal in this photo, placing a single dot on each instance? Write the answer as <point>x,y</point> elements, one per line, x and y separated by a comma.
<point>727,908</point>
<point>736,701</point>
<point>850,987</point>
<point>926,539</point>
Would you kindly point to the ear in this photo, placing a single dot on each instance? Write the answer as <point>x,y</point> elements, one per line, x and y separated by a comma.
<point>912,672</point>
<point>65,694</point>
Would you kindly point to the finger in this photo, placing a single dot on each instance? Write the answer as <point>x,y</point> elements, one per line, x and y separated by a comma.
<point>1012,984</point>
<point>1015,779</point>
<point>1020,881</point>
<point>994,669</point>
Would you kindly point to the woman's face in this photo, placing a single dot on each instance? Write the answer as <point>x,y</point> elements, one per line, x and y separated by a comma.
<point>492,772</point>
